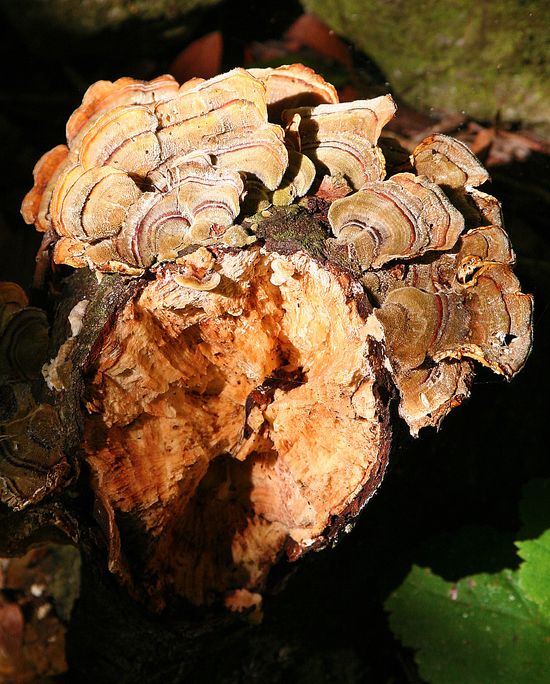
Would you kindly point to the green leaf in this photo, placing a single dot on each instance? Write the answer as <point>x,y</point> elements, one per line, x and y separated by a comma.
<point>534,573</point>
<point>480,630</point>
<point>485,628</point>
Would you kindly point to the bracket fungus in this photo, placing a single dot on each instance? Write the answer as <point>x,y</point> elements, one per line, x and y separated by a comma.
<point>32,462</point>
<point>266,284</point>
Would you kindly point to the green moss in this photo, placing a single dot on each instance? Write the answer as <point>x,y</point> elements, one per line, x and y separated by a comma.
<point>290,229</point>
<point>459,55</point>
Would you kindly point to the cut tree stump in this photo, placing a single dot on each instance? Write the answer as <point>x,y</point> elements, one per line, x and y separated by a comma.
<point>242,306</point>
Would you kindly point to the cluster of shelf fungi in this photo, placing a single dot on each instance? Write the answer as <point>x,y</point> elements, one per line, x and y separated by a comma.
<point>250,287</point>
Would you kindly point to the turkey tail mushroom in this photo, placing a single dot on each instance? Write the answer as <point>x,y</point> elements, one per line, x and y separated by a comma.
<point>341,139</point>
<point>293,85</point>
<point>449,162</point>
<point>264,294</point>
<point>403,217</point>
<point>32,463</point>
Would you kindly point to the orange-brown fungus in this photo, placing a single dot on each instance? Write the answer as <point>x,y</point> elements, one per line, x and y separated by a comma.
<point>277,288</point>
<point>229,426</point>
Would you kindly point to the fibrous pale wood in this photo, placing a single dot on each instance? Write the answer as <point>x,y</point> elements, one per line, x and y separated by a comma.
<point>229,426</point>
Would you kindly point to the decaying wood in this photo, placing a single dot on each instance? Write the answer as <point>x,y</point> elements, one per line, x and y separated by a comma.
<point>251,292</point>
<point>239,383</point>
